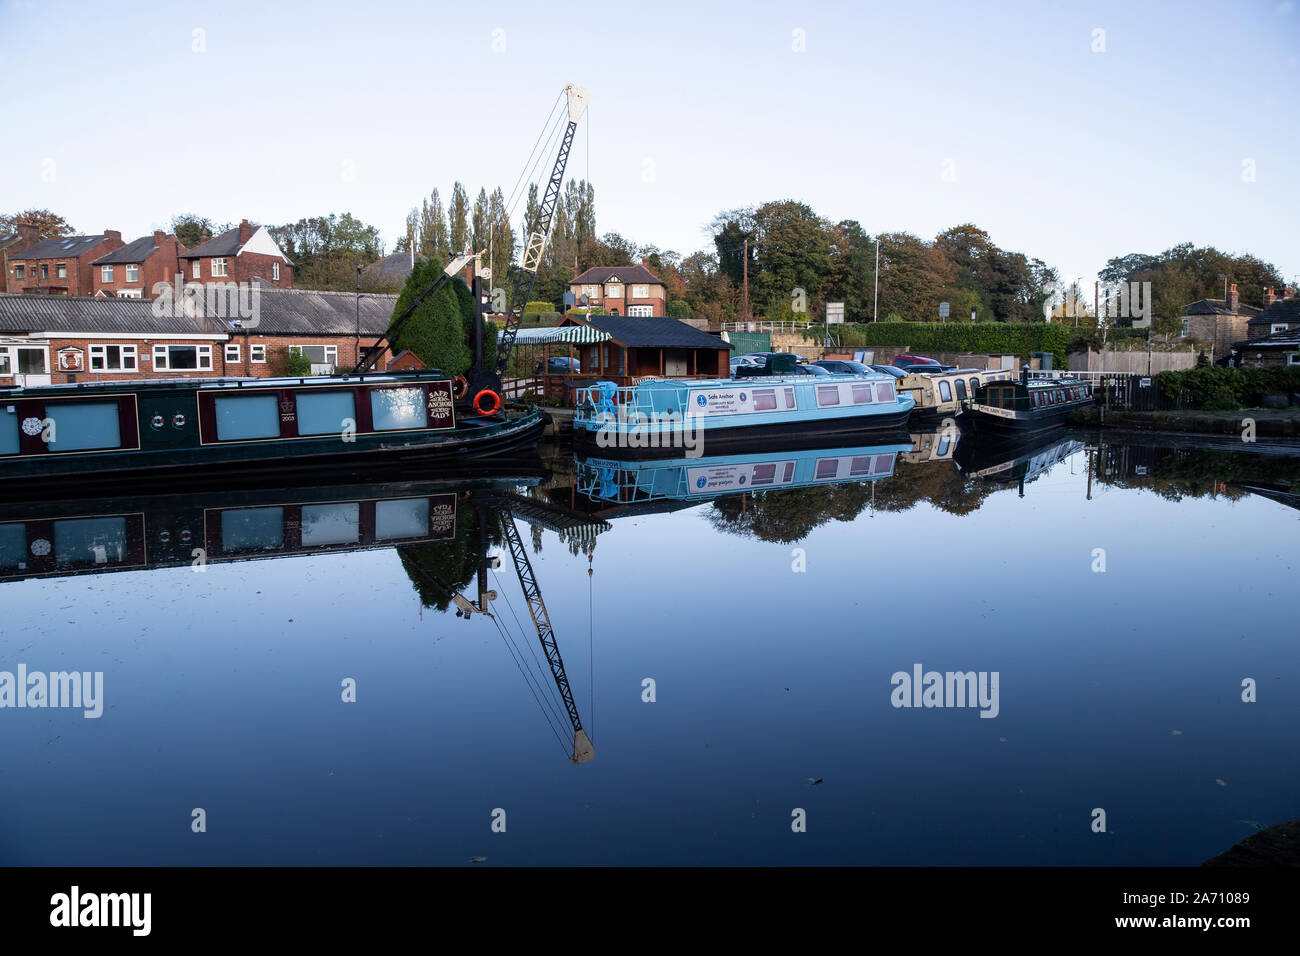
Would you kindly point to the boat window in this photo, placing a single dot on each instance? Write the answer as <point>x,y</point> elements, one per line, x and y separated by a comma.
<point>331,524</point>
<point>827,468</point>
<point>884,464</point>
<point>945,390</point>
<point>8,432</point>
<point>861,394</point>
<point>394,408</point>
<point>252,529</point>
<point>90,541</point>
<point>828,395</point>
<point>401,518</point>
<point>323,412</point>
<point>13,545</point>
<point>944,442</point>
<point>993,397</point>
<point>961,388</point>
<point>885,392</point>
<point>84,425</point>
<point>244,417</point>
<point>789,398</point>
<point>764,399</point>
<point>974,384</point>
<point>763,474</point>
<point>860,466</point>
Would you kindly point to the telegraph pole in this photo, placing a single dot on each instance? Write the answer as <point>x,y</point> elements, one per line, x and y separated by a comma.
<point>745,280</point>
<point>875,292</point>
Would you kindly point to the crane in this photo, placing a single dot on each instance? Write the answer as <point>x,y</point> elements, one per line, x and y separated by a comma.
<point>482,379</point>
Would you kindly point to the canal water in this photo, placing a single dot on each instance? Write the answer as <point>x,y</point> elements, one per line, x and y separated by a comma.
<point>286,680</point>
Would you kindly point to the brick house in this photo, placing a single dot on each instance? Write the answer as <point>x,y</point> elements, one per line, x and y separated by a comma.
<point>631,291</point>
<point>1222,322</point>
<point>132,271</point>
<point>26,234</point>
<point>241,254</point>
<point>57,339</point>
<point>1280,314</point>
<point>60,266</point>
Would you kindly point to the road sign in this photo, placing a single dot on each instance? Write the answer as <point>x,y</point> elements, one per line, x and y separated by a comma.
<point>834,313</point>
<point>943,310</point>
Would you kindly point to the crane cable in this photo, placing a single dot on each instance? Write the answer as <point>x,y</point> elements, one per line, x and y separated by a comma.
<point>514,193</point>
<point>515,655</point>
<point>539,678</point>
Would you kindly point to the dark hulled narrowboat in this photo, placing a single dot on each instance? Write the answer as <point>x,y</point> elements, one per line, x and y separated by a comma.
<point>1023,407</point>
<point>164,429</point>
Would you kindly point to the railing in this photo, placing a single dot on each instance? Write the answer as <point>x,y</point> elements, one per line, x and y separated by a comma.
<point>1095,378</point>
<point>596,403</point>
<point>756,325</point>
<point>516,388</point>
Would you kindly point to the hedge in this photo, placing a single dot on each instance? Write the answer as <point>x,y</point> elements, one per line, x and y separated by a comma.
<point>976,338</point>
<point>1213,387</point>
<point>534,308</point>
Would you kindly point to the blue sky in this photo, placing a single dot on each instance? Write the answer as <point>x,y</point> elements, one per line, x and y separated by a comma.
<point>293,110</point>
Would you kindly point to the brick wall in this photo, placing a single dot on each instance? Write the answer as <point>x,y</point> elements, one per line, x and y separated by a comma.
<point>159,266</point>
<point>79,280</point>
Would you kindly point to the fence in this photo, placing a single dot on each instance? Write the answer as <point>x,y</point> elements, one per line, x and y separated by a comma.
<point>1133,363</point>
<point>1119,390</point>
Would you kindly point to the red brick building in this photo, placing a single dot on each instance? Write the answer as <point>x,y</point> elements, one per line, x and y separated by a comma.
<point>25,235</point>
<point>60,266</point>
<point>622,290</point>
<point>241,254</point>
<point>55,339</point>
<point>132,271</point>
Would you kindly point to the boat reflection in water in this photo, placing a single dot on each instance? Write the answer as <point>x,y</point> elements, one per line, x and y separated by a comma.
<point>442,530</point>
<point>1014,460</point>
<point>682,482</point>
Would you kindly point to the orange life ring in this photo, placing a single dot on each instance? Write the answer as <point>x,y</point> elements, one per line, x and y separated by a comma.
<point>459,387</point>
<point>493,397</point>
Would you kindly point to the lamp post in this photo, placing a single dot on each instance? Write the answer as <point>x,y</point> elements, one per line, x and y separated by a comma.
<point>875,281</point>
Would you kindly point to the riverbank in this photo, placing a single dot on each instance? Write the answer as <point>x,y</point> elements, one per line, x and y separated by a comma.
<point>1267,422</point>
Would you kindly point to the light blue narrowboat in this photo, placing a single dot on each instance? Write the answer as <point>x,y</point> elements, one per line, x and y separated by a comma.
<point>620,481</point>
<point>657,418</point>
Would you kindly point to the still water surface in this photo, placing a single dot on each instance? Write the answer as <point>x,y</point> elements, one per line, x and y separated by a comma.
<point>222,689</point>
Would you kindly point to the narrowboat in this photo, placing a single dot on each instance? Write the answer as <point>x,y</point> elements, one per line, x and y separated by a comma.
<point>663,417</point>
<point>687,481</point>
<point>1023,406</point>
<point>86,431</point>
<point>939,394</point>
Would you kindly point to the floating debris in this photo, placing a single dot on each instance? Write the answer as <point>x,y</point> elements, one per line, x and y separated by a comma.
<point>1175,733</point>
<point>478,859</point>
<point>1220,782</point>
<point>1002,740</point>
<point>1252,823</point>
<point>813,782</point>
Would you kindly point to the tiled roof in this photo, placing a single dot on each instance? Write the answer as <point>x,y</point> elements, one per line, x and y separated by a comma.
<point>226,244</point>
<point>68,313</point>
<point>392,267</point>
<point>1217,307</point>
<point>653,333</point>
<point>137,251</point>
<point>1283,310</point>
<point>279,312</point>
<point>627,274</point>
<point>61,247</point>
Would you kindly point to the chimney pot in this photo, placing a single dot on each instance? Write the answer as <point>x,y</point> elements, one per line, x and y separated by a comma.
<point>1269,297</point>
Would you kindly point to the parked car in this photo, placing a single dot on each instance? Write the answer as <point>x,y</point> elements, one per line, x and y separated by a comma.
<point>888,370</point>
<point>558,365</point>
<point>919,362</point>
<point>842,367</point>
<point>806,369</point>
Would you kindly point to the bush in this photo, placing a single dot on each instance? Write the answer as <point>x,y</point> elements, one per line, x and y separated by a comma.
<point>534,308</point>
<point>977,338</point>
<point>1213,387</point>
<point>290,364</point>
<point>679,309</point>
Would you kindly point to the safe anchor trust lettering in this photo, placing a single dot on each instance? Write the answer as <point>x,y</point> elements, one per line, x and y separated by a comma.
<point>73,689</point>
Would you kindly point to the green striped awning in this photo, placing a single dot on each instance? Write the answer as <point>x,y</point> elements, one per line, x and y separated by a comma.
<point>568,334</point>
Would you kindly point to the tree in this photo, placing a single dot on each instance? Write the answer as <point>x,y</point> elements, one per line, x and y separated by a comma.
<point>434,238</point>
<point>458,219</point>
<point>49,225</point>
<point>193,230</point>
<point>328,249</point>
<point>479,222</point>
<point>436,330</point>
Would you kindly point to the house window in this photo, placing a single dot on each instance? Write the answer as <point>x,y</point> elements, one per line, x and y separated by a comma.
<point>130,293</point>
<point>318,354</point>
<point>232,352</point>
<point>614,291</point>
<point>61,270</point>
<point>183,358</point>
<point>591,291</point>
<point>640,311</point>
<point>45,271</point>
<point>112,358</point>
<point>218,268</point>
<point>640,292</point>
<point>132,273</point>
<point>1293,358</point>
<point>194,269</point>
<point>20,272</point>
<point>1277,327</point>
<point>275,271</point>
<point>257,354</point>
<point>105,273</point>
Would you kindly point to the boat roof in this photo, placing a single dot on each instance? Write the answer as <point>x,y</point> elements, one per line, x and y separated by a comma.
<point>759,381</point>
<point>137,385</point>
